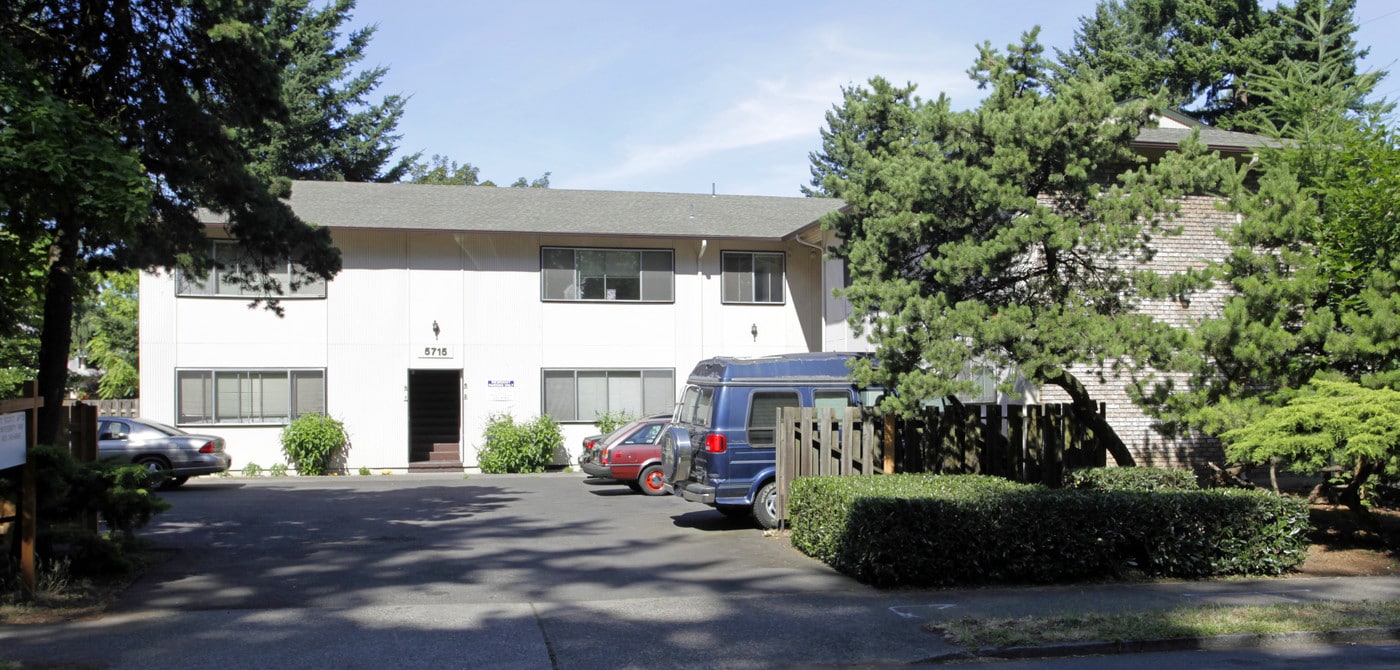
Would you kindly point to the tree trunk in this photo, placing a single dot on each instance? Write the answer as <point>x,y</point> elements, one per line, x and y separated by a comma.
<point>1350,495</point>
<point>1086,410</point>
<point>57,336</point>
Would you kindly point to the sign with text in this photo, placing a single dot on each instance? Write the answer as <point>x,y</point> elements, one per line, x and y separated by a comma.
<point>435,351</point>
<point>502,390</point>
<point>12,440</point>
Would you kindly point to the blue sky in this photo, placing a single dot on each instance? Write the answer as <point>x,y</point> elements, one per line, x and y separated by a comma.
<point>686,97</point>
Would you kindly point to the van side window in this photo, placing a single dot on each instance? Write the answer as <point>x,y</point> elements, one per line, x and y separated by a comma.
<point>831,398</point>
<point>763,415</point>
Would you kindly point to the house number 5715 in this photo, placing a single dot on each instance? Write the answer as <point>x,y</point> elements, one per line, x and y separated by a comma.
<point>435,352</point>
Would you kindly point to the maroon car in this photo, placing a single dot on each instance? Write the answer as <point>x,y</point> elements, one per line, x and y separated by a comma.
<point>631,455</point>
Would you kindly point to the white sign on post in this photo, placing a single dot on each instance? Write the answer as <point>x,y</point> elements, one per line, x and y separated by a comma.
<point>11,440</point>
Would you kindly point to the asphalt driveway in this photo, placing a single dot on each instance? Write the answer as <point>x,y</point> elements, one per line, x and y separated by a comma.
<point>498,571</point>
<point>522,571</point>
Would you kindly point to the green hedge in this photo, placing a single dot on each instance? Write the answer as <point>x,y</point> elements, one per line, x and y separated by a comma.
<point>1131,479</point>
<point>926,530</point>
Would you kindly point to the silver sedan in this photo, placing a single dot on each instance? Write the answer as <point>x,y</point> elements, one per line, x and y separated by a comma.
<point>164,450</point>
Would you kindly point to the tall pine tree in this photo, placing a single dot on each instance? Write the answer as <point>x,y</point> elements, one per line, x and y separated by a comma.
<point>1011,236</point>
<point>332,130</point>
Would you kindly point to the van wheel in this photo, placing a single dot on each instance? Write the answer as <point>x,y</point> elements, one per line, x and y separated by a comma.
<point>765,506</point>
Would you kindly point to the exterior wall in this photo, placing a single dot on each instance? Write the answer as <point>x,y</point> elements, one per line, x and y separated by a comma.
<point>483,291</point>
<point>1198,243</point>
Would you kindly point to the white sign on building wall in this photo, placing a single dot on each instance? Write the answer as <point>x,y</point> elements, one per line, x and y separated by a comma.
<point>502,390</point>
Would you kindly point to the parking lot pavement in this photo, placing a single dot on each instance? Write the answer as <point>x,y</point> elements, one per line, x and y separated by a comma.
<point>525,571</point>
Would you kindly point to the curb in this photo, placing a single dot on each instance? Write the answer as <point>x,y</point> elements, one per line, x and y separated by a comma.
<point>1211,643</point>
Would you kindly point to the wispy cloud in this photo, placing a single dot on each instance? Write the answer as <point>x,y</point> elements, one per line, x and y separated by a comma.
<point>782,101</point>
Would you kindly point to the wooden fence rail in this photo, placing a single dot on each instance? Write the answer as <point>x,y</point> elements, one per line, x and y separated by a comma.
<point>1035,443</point>
<point>123,407</point>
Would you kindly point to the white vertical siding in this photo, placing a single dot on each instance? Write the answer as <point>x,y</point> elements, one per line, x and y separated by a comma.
<point>483,290</point>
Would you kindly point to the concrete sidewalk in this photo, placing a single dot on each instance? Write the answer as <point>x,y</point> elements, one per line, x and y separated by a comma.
<point>533,572</point>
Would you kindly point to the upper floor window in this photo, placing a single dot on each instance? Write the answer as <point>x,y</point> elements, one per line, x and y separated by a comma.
<point>228,261</point>
<point>753,277</point>
<point>636,275</point>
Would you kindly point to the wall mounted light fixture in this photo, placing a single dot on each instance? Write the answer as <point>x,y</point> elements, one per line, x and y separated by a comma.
<point>753,330</point>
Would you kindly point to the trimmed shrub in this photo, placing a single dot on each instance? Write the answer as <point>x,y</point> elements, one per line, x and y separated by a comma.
<point>1131,479</point>
<point>925,530</point>
<point>312,441</point>
<point>518,447</point>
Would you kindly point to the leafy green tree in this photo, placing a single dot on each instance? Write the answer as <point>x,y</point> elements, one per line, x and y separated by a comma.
<point>1203,55</point>
<point>1009,236</point>
<point>443,171</point>
<point>332,131</point>
<point>106,333</point>
<point>132,110</point>
<point>1329,422</point>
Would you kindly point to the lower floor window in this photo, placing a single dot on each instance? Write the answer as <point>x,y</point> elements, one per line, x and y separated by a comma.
<point>248,396</point>
<point>584,394</point>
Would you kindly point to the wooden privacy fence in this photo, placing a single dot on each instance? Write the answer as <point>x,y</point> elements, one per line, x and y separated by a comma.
<point>123,407</point>
<point>1032,443</point>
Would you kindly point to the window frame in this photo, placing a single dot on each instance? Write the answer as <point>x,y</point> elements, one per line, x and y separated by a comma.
<point>578,279</point>
<point>214,286</point>
<point>753,283</point>
<point>607,375</point>
<point>211,414</point>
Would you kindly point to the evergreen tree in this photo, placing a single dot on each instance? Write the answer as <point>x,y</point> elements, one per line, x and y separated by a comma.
<point>1204,55</point>
<point>1011,236</point>
<point>331,132</point>
<point>128,113</point>
<point>1315,266</point>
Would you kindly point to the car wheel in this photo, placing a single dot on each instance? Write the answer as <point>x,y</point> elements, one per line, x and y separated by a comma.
<point>156,470</point>
<point>765,506</point>
<point>652,482</point>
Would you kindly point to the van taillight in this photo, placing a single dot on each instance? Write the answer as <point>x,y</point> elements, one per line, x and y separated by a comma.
<point>716,443</point>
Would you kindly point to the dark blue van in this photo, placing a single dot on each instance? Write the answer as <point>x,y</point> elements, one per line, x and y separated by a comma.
<point>720,448</point>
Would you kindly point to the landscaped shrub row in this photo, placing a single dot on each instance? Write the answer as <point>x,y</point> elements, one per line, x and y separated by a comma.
<point>924,530</point>
<point>1131,479</point>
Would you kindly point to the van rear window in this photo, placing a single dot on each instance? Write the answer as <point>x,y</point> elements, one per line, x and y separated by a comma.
<point>696,406</point>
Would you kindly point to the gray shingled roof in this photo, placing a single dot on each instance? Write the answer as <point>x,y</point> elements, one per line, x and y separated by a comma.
<point>535,210</point>
<point>1222,140</point>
